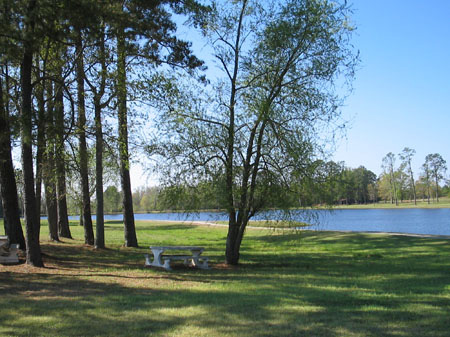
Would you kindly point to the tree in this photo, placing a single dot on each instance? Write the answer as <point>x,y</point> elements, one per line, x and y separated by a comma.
<point>81,130</point>
<point>112,199</point>
<point>426,179</point>
<point>32,221</point>
<point>257,136</point>
<point>128,214</point>
<point>49,172</point>
<point>363,179</point>
<point>99,70</point>
<point>145,31</point>
<point>406,157</point>
<point>61,189</point>
<point>388,166</point>
<point>9,197</point>
<point>437,167</point>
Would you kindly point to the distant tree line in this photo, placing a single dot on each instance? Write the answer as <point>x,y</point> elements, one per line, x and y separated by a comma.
<point>328,183</point>
<point>398,182</point>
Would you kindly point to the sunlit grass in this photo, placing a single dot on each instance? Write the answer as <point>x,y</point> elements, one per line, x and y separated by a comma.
<point>289,284</point>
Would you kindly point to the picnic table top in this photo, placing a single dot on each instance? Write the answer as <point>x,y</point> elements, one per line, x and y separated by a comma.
<point>176,247</point>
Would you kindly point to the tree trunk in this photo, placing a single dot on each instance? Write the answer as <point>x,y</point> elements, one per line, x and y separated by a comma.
<point>236,230</point>
<point>232,246</point>
<point>87,219</point>
<point>49,171</point>
<point>128,215</point>
<point>40,151</point>
<point>428,186</point>
<point>81,224</point>
<point>100,227</point>
<point>414,193</point>
<point>32,221</point>
<point>231,250</point>
<point>9,198</point>
<point>98,95</point>
<point>52,207</point>
<point>63,219</point>
<point>437,187</point>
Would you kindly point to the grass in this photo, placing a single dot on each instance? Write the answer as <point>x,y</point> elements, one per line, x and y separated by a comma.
<point>289,284</point>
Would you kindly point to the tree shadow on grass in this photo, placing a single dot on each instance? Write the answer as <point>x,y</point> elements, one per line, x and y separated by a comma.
<point>150,227</point>
<point>269,305</point>
<point>320,293</point>
<point>77,306</point>
<point>113,222</point>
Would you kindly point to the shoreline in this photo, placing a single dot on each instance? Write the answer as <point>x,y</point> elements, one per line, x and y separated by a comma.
<point>212,224</point>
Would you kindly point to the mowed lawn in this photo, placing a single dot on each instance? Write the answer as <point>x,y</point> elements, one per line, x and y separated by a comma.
<point>288,284</point>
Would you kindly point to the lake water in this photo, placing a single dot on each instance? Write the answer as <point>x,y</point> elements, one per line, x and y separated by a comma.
<point>417,221</point>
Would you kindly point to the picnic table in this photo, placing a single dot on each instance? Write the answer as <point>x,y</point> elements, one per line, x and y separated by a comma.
<point>191,256</point>
<point>8,253</point>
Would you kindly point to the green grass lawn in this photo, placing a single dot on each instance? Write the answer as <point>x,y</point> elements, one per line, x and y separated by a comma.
<point>289,284</point>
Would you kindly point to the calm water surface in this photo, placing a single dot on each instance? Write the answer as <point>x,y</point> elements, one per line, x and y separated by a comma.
<point>417,221</point>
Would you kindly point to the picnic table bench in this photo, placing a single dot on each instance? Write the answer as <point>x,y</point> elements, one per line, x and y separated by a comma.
<point>8,252</point>
<point>191,256</point>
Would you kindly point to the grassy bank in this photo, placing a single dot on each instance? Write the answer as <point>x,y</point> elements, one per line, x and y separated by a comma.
<point>291,284</point>
<point>444,202</point>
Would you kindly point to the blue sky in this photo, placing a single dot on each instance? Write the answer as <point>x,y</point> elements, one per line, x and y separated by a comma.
<point>401,92</point>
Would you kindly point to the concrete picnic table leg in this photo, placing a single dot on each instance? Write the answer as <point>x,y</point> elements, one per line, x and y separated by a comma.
<point>196,259</point>
<point>157,259</point>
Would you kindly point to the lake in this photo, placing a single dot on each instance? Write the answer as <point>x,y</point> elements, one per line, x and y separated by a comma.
<point>416,221</point>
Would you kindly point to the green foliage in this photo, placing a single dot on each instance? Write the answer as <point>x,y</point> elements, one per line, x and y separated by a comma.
<point>252,135</point>
<point>332,183</point>
<point>112,200</point>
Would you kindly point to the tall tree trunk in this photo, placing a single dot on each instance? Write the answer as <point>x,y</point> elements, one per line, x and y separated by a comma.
<point>9,198</point>
<point>87,219</point>
<point>128,214</point>
<point>100,226</point>
<point>49,170</point>
<point>414,188</point>
<point>40,151</point>
<point>232,250</point>
<point>63,219</point>
<point>98,95</point>
<point>32,221</point>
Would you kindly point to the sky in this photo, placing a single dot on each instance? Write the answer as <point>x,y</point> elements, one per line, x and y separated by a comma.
<point>401,92</point>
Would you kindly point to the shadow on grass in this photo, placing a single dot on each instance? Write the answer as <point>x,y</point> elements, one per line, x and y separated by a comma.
<point>150,227</point>
<point>340,290</point>
<point>113,222</point>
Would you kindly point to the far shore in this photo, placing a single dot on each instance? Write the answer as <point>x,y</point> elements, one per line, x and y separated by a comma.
<point>444,202</point>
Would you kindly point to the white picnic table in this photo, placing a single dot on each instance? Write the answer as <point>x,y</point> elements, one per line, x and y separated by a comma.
<point>8,253</point>
<point>191,256</point>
